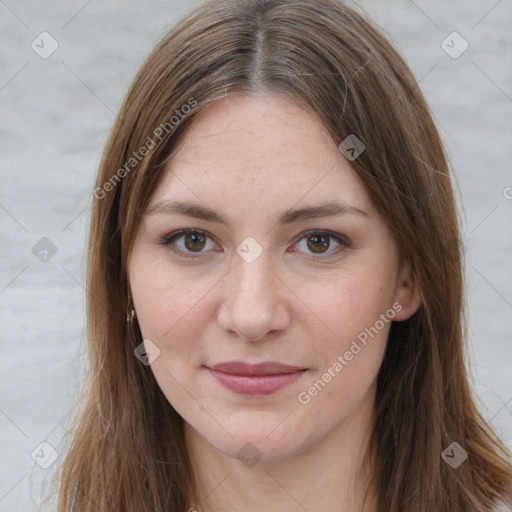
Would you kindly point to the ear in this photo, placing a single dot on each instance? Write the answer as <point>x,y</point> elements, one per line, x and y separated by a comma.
<point>406,294</point>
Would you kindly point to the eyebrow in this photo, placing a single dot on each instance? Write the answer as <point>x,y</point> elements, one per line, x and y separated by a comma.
<point>331,208</point>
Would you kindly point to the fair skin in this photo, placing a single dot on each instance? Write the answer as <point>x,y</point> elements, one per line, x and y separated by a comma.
<point>301,302</point>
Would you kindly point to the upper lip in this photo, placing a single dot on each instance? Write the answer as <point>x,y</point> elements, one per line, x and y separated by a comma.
<point>264,368</point>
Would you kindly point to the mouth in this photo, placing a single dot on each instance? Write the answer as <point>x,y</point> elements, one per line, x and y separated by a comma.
<point>255,379</point>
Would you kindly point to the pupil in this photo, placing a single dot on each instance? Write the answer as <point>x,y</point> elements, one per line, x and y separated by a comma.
<point>196,238</point>
<point>322,244</point>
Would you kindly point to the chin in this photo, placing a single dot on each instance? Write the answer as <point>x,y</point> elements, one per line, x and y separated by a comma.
<point>258,441</point>
<point>259,451</point>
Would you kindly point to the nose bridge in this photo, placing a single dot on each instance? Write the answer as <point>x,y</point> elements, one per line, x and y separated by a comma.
<point>253,301</point>
<point>251,274</point>
<point>252,278</point>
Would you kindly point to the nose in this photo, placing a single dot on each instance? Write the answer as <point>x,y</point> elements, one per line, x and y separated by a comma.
<point>255,304</point>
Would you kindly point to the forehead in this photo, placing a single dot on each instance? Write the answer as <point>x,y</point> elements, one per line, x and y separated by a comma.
<point>258,149</point>
<point>258,131</point>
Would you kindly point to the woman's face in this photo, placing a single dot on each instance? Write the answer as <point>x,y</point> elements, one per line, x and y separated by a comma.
<point>269,337</point>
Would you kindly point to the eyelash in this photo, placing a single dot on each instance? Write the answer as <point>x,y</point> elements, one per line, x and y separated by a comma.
<point>171,238</point>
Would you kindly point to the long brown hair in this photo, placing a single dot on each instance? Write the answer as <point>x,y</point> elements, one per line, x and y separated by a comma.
<point>127,451</point>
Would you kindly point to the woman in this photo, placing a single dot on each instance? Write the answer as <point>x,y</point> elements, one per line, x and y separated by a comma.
<point>275,294</point>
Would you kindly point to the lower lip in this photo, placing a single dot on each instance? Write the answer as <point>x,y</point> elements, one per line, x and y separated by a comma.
<point>255,384</point>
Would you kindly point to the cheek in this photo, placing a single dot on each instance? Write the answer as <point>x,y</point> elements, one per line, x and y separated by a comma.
<point>356,311</point>
<point>348,361</point>
<point>168,303</point>
<point>172,310</point>
<point>352,302</point>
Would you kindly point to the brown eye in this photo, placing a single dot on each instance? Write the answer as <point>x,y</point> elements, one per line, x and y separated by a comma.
<point>195,241</point>
<point>192,243</point>
<point>187,243</point>
<point>319,243</point>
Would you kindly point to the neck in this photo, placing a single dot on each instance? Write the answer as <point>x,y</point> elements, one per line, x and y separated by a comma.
<point>327,476</point>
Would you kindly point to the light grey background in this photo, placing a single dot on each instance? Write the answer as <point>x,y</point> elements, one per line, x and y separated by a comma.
<point>55,115</point>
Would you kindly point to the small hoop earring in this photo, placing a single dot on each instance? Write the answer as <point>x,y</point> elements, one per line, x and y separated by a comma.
<point>131,315</point>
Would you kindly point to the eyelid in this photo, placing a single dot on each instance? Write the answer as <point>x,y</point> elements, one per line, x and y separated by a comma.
<point>342,240</point>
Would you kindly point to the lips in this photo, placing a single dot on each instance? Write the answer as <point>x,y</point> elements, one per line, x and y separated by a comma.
<point>266,368</point>
<point>255,379</point>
